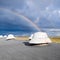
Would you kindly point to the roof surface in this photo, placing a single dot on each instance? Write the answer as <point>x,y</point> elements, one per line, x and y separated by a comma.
<point>20,50</point>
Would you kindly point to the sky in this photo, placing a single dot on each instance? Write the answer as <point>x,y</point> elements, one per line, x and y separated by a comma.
<point>29,15</point>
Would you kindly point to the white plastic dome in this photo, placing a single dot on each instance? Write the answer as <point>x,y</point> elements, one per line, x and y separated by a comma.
<point>10,36</point>
<point>1,36</point>
<point>5,36</point>
<point>40,37</point>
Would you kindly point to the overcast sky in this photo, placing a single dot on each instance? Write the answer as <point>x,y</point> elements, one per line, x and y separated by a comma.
<point>42,14</point>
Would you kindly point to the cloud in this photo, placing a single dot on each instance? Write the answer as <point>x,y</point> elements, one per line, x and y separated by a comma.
<point>16,23</point>
<point>37,20</point>
<point>59,11</point>
<point>35,10</point>
<point>52,30</point>
<point>30,3</point>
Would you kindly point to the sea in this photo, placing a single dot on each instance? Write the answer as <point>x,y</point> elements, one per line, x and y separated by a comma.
<point>50,32</point>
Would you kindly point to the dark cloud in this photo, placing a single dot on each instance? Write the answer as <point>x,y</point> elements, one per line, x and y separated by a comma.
<point>48,12</point>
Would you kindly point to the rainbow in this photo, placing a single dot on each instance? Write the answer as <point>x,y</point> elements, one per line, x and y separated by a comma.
<point>22,16</point>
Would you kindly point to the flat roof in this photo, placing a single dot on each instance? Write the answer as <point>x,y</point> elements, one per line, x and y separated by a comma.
<point>20,50</point>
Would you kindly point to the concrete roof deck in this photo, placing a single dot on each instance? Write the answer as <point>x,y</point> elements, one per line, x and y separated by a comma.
<point>20,50</point>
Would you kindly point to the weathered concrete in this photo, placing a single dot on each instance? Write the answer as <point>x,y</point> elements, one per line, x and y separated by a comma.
<point>19,50</point>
